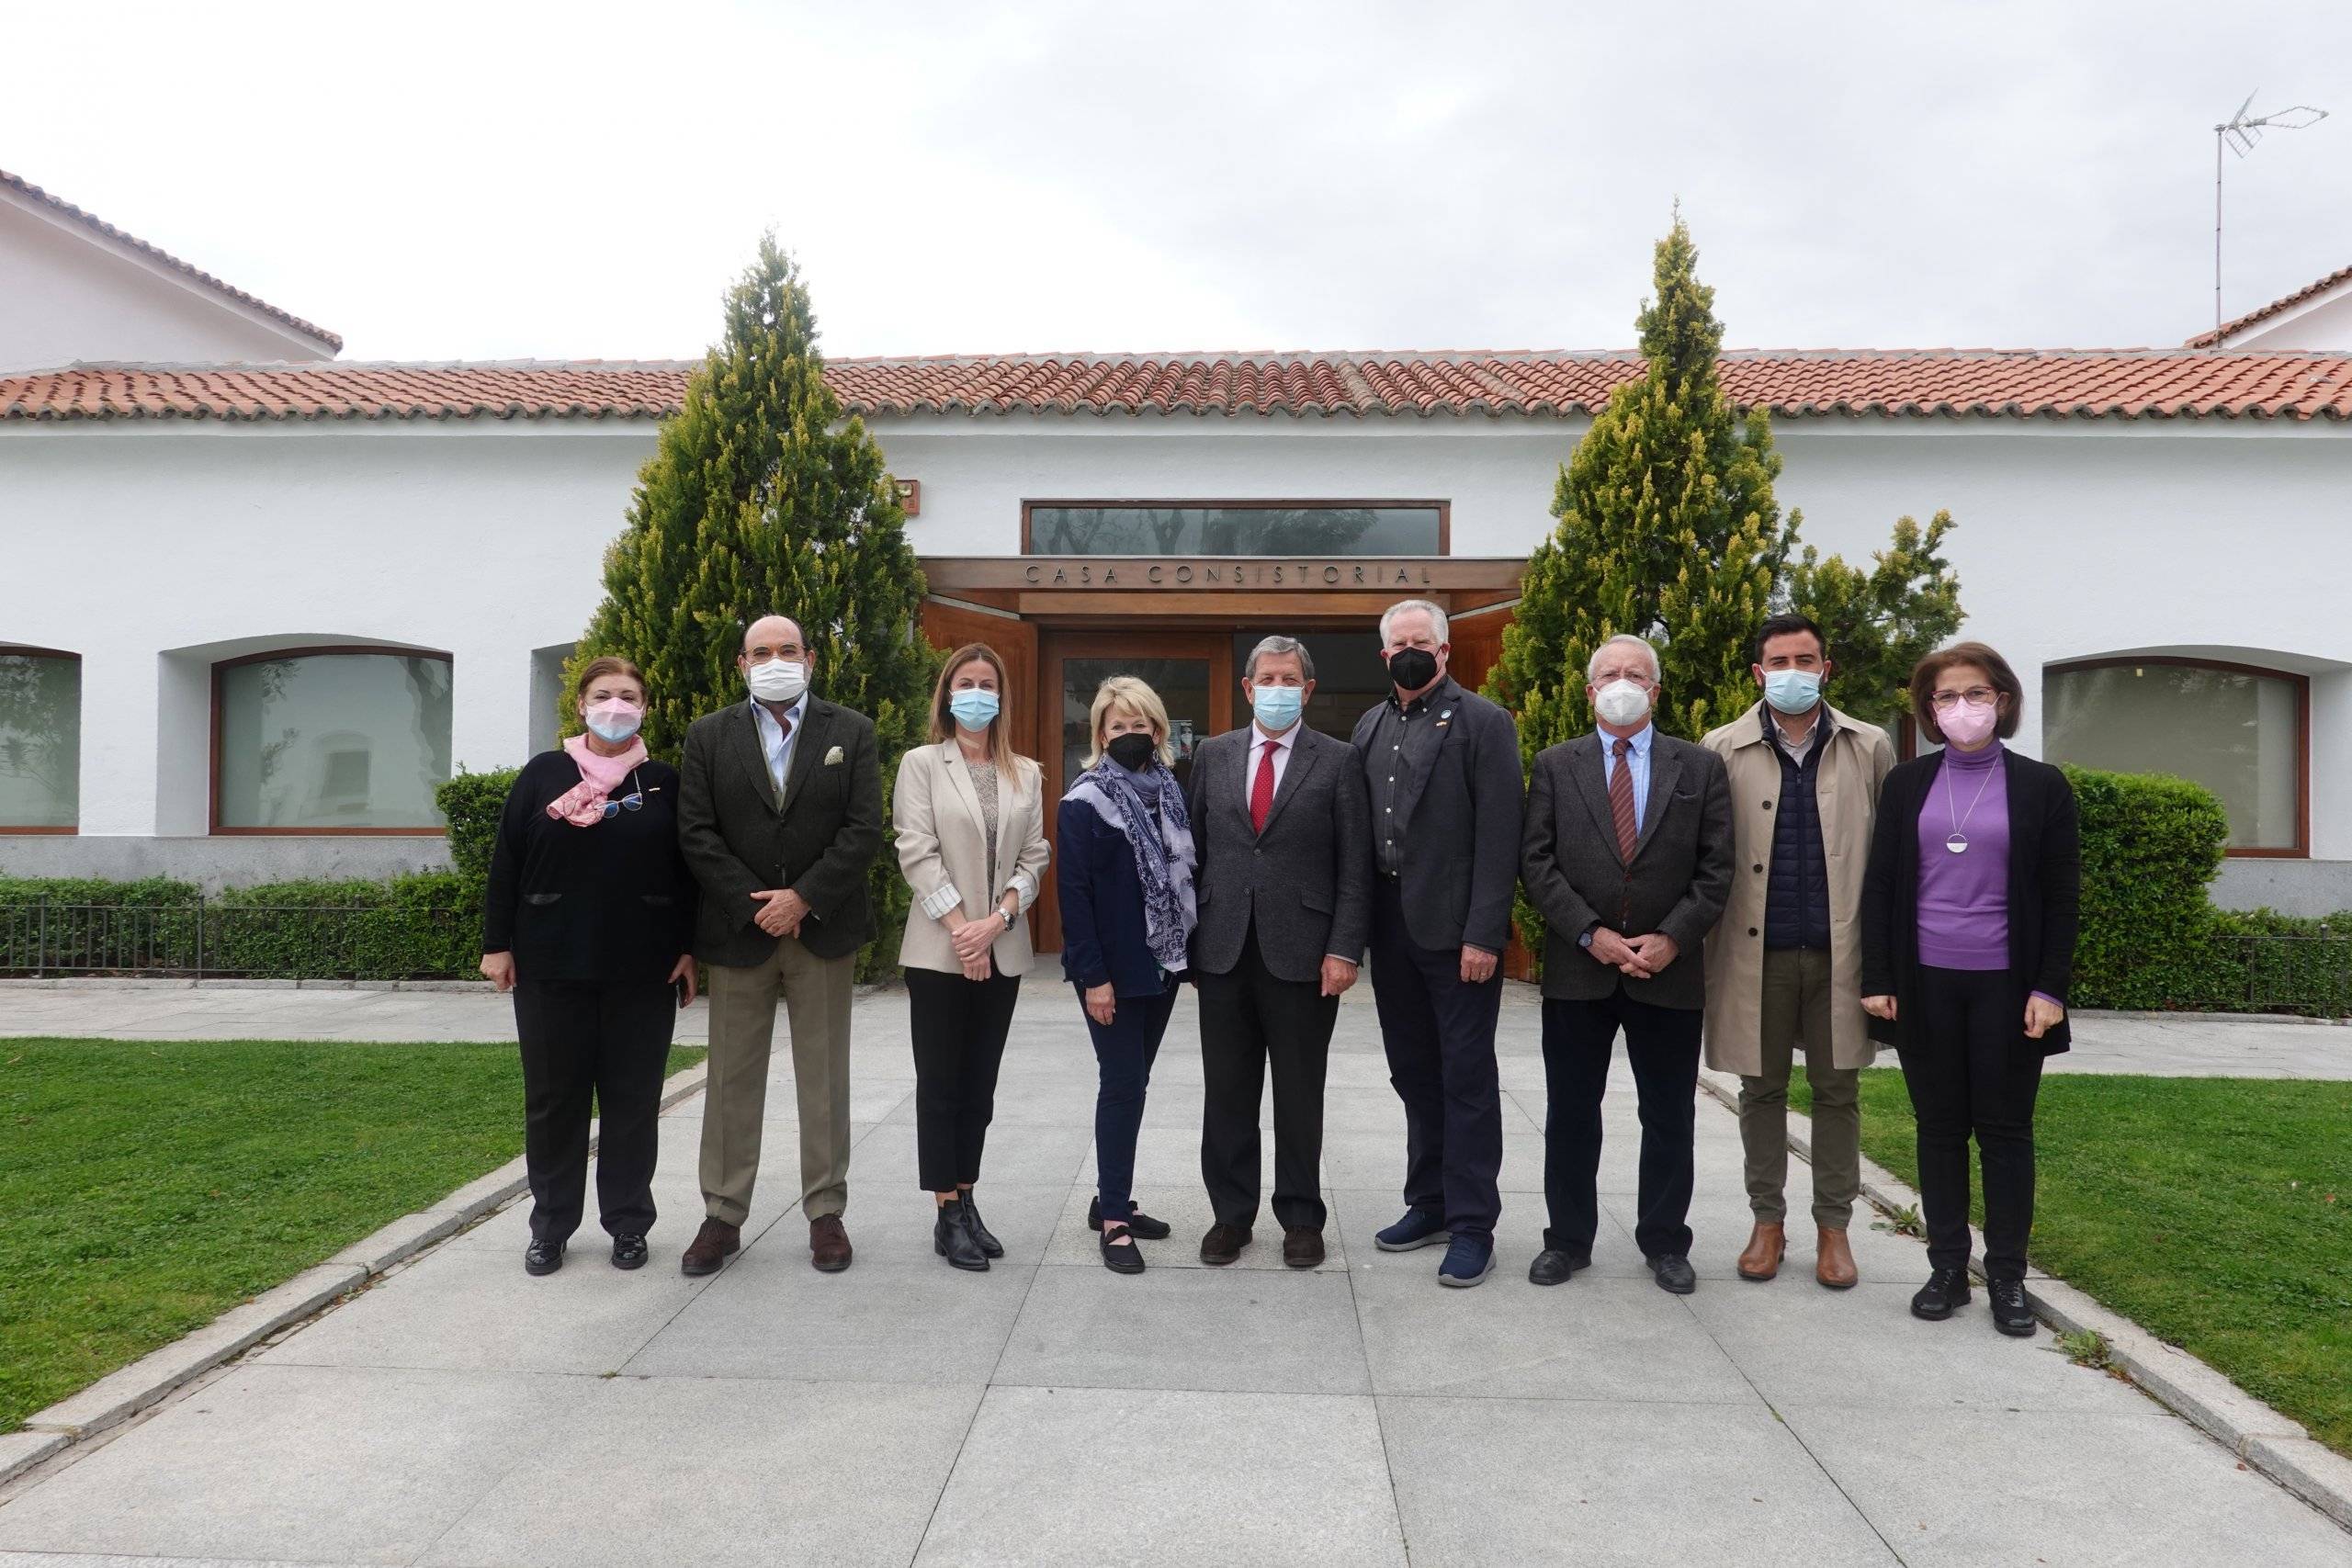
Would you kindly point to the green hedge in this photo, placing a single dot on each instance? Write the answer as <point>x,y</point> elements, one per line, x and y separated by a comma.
<point>422,926</point>
<point>471,803</point>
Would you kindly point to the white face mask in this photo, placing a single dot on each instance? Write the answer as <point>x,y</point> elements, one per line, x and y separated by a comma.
<point>778,681</point>
<point>1620,702</point>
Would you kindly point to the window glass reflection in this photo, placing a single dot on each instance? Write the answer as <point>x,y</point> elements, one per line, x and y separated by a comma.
<point>1234,530</point>
<point>2236,732</point>
<point>333,740</point>
<point>40,740</point>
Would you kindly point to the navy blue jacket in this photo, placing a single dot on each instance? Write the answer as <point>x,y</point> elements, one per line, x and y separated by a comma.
<point>1796,893</point>
<point>1103,936</point>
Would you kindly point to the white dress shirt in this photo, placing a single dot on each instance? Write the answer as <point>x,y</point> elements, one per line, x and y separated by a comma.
<point>775,741</point>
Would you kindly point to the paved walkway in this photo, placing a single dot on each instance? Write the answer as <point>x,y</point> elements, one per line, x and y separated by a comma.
<point>1049,1412</point>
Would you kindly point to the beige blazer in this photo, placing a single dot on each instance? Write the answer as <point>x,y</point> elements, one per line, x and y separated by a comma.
<point>942,842</point>
<point>1845,791</point>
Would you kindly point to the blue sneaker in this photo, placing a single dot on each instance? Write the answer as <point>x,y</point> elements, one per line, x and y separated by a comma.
<point>1417,1228</point>
<point>1470,1259</point>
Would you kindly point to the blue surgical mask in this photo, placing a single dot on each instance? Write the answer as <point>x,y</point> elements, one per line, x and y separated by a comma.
<point>974,707</point>
<point>1792,691</point>
<point>1277,707</point>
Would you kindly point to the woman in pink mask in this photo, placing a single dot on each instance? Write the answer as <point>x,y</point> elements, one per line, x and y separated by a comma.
<point>588,919</point>
<point>1968,925</point>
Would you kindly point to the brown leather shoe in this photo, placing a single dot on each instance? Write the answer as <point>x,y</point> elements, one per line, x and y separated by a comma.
<point>1223,1244</point>
<point>1301,1249</point>
<point>1833,1261</point>
<point>828,1244</point>
<point>713,1245</point>
<point>1765,1244</point>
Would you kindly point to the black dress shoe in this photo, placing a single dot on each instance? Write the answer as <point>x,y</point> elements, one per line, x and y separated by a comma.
<point>1120,1258</point>
<point>1674,1273</point>
<point>1553,1266</point>
<point>628,1250</point>
<point>1945,1293</point>
<point>1143,1225</point>
<point>1223,1244</point>
<point>543,1258</point>
<point>952,1238</point>
<point>980,1232</point>
<point>2010,1313</point>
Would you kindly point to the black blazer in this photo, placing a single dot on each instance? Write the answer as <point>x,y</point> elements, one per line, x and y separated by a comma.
<point>613,903</point>
<point>2046,890</point>
<point>1462,822</point>
<point>1104,937</point>
<point>819,844</point>
<point>1305,882</point>
<point>1676,883</point>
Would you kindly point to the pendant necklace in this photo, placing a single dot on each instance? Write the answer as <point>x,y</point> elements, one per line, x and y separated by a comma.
<point>1958,842</point>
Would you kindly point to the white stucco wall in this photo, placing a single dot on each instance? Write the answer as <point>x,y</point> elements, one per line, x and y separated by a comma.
<point>68,294</point>
<point>2322,321</point>
<point>153,550</point>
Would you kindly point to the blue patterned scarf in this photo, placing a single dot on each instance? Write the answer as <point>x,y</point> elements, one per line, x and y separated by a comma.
<point>1148,808</point>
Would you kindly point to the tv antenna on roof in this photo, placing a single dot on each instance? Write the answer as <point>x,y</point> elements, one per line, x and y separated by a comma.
<point>2242,131</point>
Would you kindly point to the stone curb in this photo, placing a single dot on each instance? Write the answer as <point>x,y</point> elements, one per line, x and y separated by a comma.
<point>2160,1016</point>
<point>2278,1448</point>
<point>127,1391</point>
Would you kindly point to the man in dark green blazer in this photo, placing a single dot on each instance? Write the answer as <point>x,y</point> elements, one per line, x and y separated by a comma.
<point>779,816</point>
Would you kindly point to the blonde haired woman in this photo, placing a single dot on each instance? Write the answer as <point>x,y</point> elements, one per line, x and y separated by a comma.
<point>971,821</point>
<point>1125,880</point>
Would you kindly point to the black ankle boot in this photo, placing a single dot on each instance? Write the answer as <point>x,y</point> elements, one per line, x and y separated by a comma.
<point>1945,1293</point>
<point>952,1238</point>
<point>980,1232</point>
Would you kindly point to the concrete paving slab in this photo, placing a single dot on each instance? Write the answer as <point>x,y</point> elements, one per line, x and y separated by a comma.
<point>1022,1155</point>
<point>20,1451</point>
<point>1242,1481</point>
<point>1982,1485</point>
<point>1591,1338</point>
<point>304,1463</point>
<point>1498,1483</point>
<point>809,1473</point>
<point>1189,1214</point>
<point>893,1222</point>
<point>1254,1331</point>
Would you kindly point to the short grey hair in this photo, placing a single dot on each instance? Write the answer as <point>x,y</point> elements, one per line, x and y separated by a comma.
<point>1438,625</point>
<point>1622,639</point>
<point>1278,646</point>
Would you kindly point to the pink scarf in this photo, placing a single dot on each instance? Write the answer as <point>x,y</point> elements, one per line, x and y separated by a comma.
<point>582,805</point>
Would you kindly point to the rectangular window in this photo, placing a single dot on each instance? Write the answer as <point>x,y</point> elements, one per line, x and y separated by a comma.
<point>318,742</point>
<point>1236,528</point>
<point>40,741</point>
<point>2237,731</point>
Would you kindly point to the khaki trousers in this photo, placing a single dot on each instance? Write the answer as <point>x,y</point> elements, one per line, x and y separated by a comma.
<point>816,996</point>
<point>1796,1009</point>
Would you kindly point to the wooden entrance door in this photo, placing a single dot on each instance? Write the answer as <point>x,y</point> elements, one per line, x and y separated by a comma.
<point>1193,673</point>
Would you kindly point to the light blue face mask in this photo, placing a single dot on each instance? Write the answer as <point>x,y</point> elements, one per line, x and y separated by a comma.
<point>1277,707</point>
<point>1792,691</point>
<point>974,708</point>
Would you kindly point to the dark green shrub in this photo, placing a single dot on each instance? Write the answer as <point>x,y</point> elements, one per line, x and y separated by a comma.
<point>471,802</point>
<point>91,924</point>
<point>2150,845</point>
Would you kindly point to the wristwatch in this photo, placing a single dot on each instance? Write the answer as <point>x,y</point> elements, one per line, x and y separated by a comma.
<point>1584,941</point>
<point>1006,915</point>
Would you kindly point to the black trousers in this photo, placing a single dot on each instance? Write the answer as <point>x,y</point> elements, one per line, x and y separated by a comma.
<point>1440,1035</point>
<point>1124,1049</point>
<point>960,1027</point>
<point>601,1050</point>
<point>1248,1018</point>
<point>1970,1070</point>
<point>1662,1043</point>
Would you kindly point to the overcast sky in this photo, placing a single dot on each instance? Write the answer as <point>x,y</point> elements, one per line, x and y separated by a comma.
<point>488,180</point>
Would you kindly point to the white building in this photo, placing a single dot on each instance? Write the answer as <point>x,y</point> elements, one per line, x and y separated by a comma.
<point>254,601</point>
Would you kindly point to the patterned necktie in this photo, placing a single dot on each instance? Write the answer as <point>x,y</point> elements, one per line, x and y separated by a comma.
<point>1621,800</point>
<point>784,761</point>
<point>1261,789</point>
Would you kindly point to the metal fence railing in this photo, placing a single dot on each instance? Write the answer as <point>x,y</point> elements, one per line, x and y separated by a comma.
<point>210,940</point>
<point>2308,975</point>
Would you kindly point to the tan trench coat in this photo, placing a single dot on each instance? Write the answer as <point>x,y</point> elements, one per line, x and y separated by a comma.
<point>1846,787</point>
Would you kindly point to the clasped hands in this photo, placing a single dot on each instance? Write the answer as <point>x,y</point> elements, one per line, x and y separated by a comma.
<point>1636,958</point>
<point>781,911</point>
<point>975,940</point>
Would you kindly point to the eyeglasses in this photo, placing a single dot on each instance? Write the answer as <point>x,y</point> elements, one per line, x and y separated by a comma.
<point>1981,696</point>
<point>633,801</point>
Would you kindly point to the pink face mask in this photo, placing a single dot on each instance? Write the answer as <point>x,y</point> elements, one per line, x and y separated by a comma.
<point>613,721</point>
<point>1968,724</point>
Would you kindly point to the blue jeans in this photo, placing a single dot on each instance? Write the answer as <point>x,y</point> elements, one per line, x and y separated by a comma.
<point>1123,1050</point>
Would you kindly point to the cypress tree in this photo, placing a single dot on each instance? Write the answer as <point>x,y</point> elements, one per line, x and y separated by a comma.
<point>761,497</point>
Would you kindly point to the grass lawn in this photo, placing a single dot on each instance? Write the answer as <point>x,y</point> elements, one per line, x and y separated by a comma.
<point>147,1186</point>
<point>2214,1212</point>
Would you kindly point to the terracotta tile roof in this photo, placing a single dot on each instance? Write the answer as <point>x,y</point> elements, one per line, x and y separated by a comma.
<point>17,183</point>
<point>2229,330</point>
<point>2129,384</point>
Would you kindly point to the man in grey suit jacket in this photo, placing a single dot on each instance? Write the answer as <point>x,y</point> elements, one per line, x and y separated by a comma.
<point>1629,856</point>
<point>1441,771</point>
<point>779,817</point>
<point>1284,884</point>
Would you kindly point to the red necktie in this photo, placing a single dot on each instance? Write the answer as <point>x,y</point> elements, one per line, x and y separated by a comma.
<point>1262,788</point>
<point>1620,801</point>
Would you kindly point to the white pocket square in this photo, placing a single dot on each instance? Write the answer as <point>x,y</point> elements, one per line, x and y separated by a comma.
<point>833,756</point>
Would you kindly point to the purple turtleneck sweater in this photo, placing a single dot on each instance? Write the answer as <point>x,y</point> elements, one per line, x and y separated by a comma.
<point>1964,899</point>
